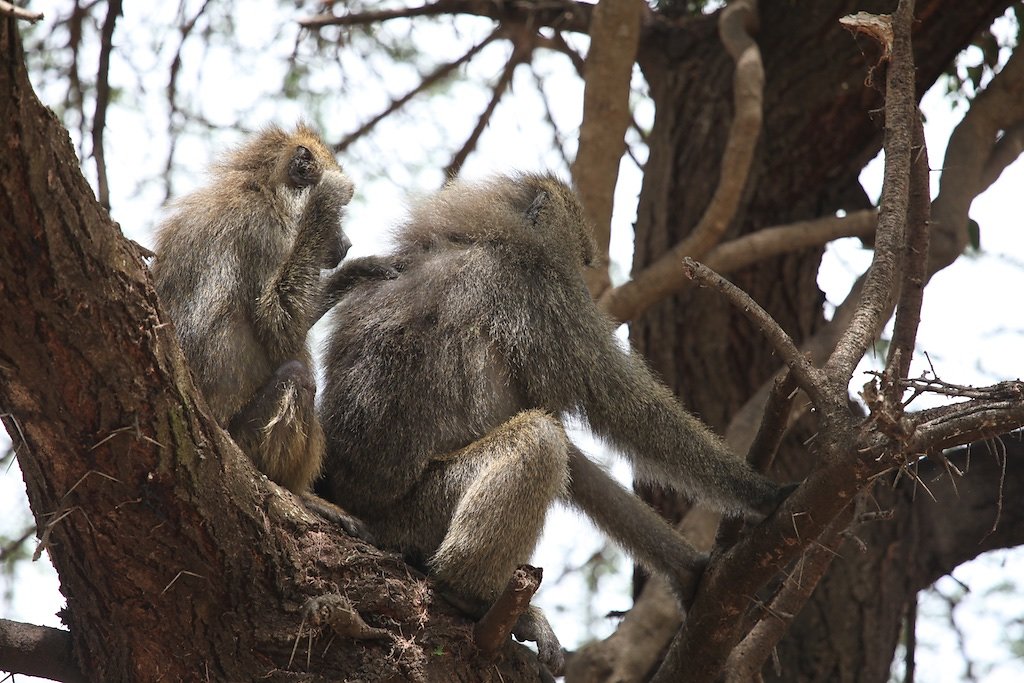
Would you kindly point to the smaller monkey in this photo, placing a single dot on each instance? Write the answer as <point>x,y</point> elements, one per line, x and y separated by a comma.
<point>238,269</point>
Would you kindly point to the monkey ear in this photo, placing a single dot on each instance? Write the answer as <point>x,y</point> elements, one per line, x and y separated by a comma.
<point>533,212</point>
<point>303,169</point>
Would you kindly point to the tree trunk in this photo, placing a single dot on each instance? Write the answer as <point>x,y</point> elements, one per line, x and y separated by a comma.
<point>821,125</point>
<point>178,560</point>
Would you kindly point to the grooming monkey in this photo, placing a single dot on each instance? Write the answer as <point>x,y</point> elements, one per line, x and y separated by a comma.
<point>238,269</point>
<point>444,390</point>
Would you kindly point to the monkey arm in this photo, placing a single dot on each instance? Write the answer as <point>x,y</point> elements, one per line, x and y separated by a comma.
<point>288,301</point>
<point>342,279</point>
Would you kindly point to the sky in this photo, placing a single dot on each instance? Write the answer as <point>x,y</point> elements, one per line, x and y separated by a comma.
<point>982,347</point>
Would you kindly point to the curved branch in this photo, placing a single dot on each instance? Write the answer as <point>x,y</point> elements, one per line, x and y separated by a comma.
<point>632,298</point>
<point>614,32</point>
<point>736,24</point>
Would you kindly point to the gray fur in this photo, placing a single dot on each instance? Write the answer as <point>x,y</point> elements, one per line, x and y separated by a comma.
<point>444,389</point>
<point>238,269</point>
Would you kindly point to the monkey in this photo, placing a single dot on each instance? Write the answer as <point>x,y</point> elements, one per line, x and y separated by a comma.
<point>238,269</point>
<point>445,392</point>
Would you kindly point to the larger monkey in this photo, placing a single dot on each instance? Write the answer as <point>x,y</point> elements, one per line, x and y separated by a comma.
<point>444,387</point>
<point>238,269</point>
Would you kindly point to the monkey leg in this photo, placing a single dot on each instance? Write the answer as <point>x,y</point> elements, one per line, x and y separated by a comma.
<point>631,523</point>
<point>278,428</point>
<point>503,485</point>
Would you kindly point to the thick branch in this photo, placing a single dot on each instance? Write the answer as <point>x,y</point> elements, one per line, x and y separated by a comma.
<point>880,286</point>
<point>965,168</point>
<point>631,299</point>
<point>37,651</point>
<point>736,24</point>
<point>614,32</point>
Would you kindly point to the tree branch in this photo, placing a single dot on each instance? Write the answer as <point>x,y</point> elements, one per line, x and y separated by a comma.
<point>880,286</point>
<point>736,24</point>
<point>518,57</point>
<point>38,651</point>
<point>99,121</point>
<point>748,657</point>
<point>21,13</point>
<point>428,81</point>
<point>493,630</point>
<point>809,378</point>
<point>915,260</point>
<point>631,299</point>
<point>614,31</point>
<point>563,15</point>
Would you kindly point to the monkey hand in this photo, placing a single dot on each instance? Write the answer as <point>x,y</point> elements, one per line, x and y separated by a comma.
<point>770,504</point>
<point>533,625</point>
<point>352,526</point>
<point>335,187</point>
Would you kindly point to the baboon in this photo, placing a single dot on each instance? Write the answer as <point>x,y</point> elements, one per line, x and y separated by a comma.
<point>238,269</point>
<point>445,388</point>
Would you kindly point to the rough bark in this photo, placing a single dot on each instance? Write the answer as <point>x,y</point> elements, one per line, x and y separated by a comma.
<point>820,127</point>
<point>178,561</point>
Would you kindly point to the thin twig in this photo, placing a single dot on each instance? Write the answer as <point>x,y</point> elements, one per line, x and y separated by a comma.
<point>517,58</point>
<point>99,121</point>
<point>809,378</point>
<point>428,81</point>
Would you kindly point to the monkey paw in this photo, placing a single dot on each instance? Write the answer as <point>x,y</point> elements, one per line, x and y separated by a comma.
<point>532,625</point>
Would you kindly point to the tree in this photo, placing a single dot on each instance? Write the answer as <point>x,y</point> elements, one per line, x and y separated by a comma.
<point>176,558</point>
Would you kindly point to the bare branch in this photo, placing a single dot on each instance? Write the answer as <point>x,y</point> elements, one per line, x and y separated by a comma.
<point>428,81</point>
<point>614,31</point>
<point>880,286</point>
<point>37,651</point>
<point>21,13</point>
<point>749,655</point>
<point>498,91</point>
<point>736,24</point>
<point>807,376</point>
<point>494,629</point>
<point>99,121</point>
<point>965,168</point>
<point>631,299</point>
<point>915,259</point>
<point>563,15</point>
